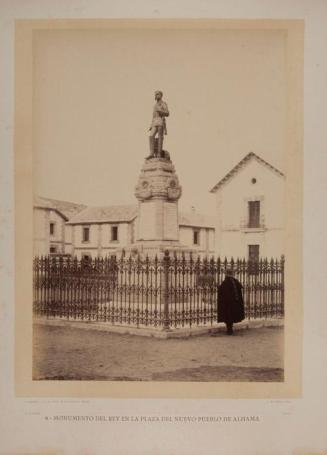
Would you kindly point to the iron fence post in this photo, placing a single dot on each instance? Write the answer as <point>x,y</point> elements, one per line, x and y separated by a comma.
<point>166,262</point>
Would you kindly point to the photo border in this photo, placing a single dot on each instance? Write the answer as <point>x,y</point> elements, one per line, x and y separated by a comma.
<point>25,386</point>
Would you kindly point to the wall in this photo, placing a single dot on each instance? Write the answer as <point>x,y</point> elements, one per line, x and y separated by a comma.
<point>68,238</point>
<point>100,243</point>
<point>232,199</point>
<point>42,217</point>
<point>57,240</point>
<point>206,239</point>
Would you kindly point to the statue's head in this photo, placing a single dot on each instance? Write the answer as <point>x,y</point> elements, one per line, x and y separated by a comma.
<point>158,94</point>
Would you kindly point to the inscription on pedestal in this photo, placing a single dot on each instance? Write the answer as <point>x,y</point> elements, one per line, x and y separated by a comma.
<point>147,221</point>
<point>170,221</point>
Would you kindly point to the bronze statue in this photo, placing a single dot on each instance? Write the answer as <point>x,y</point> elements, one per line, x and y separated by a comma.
<point>158,125</point>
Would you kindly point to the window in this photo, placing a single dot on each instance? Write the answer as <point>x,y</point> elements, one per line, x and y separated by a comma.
<point>114,233</point>
<point>86,234</point>
<point>86,257</point>
<point>254,251</point>
<point>196,237</point>
<point>254,214</point>
<point>53,249</point>
<point>52,228</point>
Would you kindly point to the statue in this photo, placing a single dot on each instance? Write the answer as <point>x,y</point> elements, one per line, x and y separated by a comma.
<point>158,127</point>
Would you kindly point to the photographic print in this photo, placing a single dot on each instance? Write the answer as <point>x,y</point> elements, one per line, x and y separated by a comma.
<point>165,189</point>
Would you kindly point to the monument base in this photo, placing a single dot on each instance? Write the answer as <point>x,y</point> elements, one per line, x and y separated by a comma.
<point>157,221</point>
<point>157,191</point>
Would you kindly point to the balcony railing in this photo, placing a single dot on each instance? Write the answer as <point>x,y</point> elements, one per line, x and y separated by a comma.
<point>258,224</point>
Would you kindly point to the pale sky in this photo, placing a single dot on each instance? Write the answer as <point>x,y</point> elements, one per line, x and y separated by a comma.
<point>94,95</point>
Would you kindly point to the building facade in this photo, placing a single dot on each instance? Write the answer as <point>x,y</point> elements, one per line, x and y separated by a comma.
<point>52,235</point>
<point>250,211</point>
<point>249,220</point>
<point>100,231</point>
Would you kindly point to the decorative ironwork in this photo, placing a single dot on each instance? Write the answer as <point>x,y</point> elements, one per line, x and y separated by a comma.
<point>173,291</point>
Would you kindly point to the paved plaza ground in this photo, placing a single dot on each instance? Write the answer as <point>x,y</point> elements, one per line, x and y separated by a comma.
<point>69,353</point>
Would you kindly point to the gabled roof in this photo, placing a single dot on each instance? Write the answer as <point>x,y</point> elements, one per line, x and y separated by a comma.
<point>66,209</point>
<point>250,156</point>
<point>195,219</point>
<point>109,214</point>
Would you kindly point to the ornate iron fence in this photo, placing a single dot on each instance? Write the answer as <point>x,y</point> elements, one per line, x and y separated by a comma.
<point>172,291</point>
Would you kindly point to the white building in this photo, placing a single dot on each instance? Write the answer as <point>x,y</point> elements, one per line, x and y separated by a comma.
<point>67,228</point>
<point>197,232</point>
<point>51,232</point>
<point>250,201</point>
<point>100,231</point>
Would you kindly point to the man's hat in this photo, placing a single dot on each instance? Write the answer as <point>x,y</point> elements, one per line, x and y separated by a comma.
<point>158,91</point>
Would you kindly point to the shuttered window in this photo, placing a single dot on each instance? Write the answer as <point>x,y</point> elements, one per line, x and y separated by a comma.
<point>114,233</point>
<point>196,237</point>
<point>254,214</point>
<point>254,252</point>
<point>86,234</point>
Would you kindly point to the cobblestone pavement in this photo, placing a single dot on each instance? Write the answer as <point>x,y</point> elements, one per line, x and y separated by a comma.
<point>70,353</point>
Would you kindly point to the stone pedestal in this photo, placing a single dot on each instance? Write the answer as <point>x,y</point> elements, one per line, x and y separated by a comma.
<point>158,220</point>
<point>158,191</point>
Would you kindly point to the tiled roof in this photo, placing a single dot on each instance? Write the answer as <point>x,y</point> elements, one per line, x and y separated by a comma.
<point>196,220</point>
<point>41,202</point>
<point>67,209</point>
<point>250,156</point>
<point>78,214</point>
<point>110,214</point>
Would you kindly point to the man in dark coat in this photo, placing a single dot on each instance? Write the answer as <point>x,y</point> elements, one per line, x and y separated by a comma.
<point>230,301</point>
